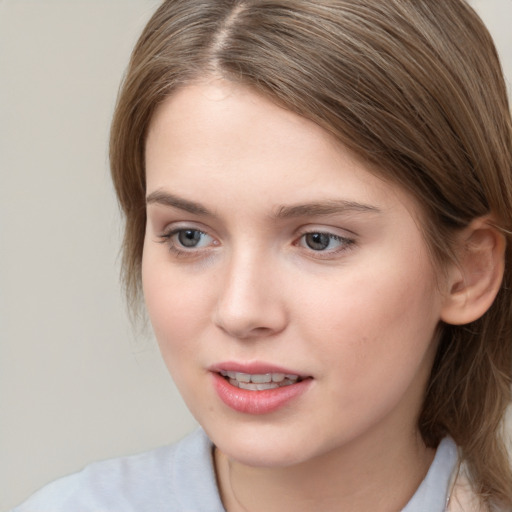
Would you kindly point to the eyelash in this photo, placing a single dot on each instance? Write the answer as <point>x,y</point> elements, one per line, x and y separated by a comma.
<point>180,251</point>
<point>345,244</point>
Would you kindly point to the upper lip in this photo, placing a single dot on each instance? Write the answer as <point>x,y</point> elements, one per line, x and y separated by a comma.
<point>253,368</point>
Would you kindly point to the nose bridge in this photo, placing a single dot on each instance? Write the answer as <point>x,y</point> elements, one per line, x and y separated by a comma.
<point>249,302</point>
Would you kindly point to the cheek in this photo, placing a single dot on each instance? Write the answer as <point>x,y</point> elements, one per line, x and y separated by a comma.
<point>375,329</point>
<point>176,308</point>
<point>379,360</point>
<point>177,314</point>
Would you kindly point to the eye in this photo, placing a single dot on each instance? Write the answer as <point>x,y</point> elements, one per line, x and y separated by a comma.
<point>324,242</point>
<point>186,240</point>
<point>190,238</point>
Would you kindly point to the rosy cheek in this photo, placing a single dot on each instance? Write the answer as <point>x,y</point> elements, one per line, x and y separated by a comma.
<point>174,310</point>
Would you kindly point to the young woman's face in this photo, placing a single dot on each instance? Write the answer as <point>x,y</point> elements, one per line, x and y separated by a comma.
<point>273,254</point>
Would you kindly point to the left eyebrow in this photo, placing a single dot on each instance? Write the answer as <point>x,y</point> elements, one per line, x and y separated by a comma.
<point>332,207</point>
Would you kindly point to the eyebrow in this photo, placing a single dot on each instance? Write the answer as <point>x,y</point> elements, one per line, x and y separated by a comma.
<point>166,199</point>
<point>314,209</point>
<point>329,207</point>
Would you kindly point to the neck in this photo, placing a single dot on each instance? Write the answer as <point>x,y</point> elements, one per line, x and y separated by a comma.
<point>366,476</point>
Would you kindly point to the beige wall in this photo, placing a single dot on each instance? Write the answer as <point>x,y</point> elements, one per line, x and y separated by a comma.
<point>76,385</point>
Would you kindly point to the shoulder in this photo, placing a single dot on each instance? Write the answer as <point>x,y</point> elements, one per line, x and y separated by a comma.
<point>446,486</point>
<point>167,478</point>
<point>462,496</point>
<point>432,494</point>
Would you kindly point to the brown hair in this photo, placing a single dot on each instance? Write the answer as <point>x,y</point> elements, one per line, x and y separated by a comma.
<point>414,86</point>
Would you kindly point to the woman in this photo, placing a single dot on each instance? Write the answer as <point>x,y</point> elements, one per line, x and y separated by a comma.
<point>318,202</point>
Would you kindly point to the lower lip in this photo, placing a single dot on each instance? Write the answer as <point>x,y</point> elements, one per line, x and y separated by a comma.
<point>257,402</point>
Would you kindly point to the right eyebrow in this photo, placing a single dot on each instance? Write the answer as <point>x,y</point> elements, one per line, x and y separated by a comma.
<point>166,199</point>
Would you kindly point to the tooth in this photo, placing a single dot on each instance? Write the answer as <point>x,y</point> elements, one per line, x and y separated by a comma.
<point>243,377</point>
<point>259,382</point>
<point>288,382</point>
<point>251,386</point>
<point>261,379</point>
<point>268,385</point>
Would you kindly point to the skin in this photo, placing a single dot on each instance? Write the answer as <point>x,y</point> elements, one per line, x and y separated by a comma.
<point>359,317</point>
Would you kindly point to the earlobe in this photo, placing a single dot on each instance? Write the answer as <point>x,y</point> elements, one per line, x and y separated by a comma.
<point>476,278</point>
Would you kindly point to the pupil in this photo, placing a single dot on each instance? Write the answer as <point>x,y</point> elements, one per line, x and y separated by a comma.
<point>317,241</point>
<point>189,237</point>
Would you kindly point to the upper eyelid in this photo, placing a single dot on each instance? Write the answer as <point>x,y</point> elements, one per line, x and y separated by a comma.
<point>335,231</point>
<point>331,231</point>
<point>341,232</point>
<point>167,233</point>
<point>345,239</point>
<point>170,232</point>
<point>185,225</point>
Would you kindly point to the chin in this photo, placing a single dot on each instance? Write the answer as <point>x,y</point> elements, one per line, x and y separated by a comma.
<point>262,456</point>
<point>263,446</point>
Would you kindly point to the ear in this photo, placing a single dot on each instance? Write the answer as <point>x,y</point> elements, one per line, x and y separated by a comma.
<point>475,279</point>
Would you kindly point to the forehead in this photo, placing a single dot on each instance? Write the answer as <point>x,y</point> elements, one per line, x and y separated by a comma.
<point>220,111</point>
<point>220,133</point>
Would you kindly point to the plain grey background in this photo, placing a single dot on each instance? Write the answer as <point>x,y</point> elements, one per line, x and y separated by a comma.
<point>76,383</point>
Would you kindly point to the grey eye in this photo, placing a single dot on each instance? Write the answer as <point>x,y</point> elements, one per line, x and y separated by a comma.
<point>189,237</point>
<point>318,241</point>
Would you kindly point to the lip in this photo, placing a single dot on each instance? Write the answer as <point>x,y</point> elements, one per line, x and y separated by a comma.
<point>257,402</point>
<point>253,368</point>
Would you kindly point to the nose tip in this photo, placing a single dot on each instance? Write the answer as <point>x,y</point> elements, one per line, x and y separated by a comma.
<point>250,305</point>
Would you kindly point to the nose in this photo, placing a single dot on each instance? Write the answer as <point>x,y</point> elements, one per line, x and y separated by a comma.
<point>250,302</point>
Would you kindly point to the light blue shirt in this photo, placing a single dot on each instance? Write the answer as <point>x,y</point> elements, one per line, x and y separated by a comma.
<point>181,478</point>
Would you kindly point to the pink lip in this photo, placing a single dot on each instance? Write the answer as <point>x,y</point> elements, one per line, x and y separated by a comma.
<point>256,402</point>
<point>253,368</point>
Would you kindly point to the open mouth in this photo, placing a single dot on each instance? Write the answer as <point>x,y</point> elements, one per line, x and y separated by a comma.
<point>260,381</point>
<point>257,393</point>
